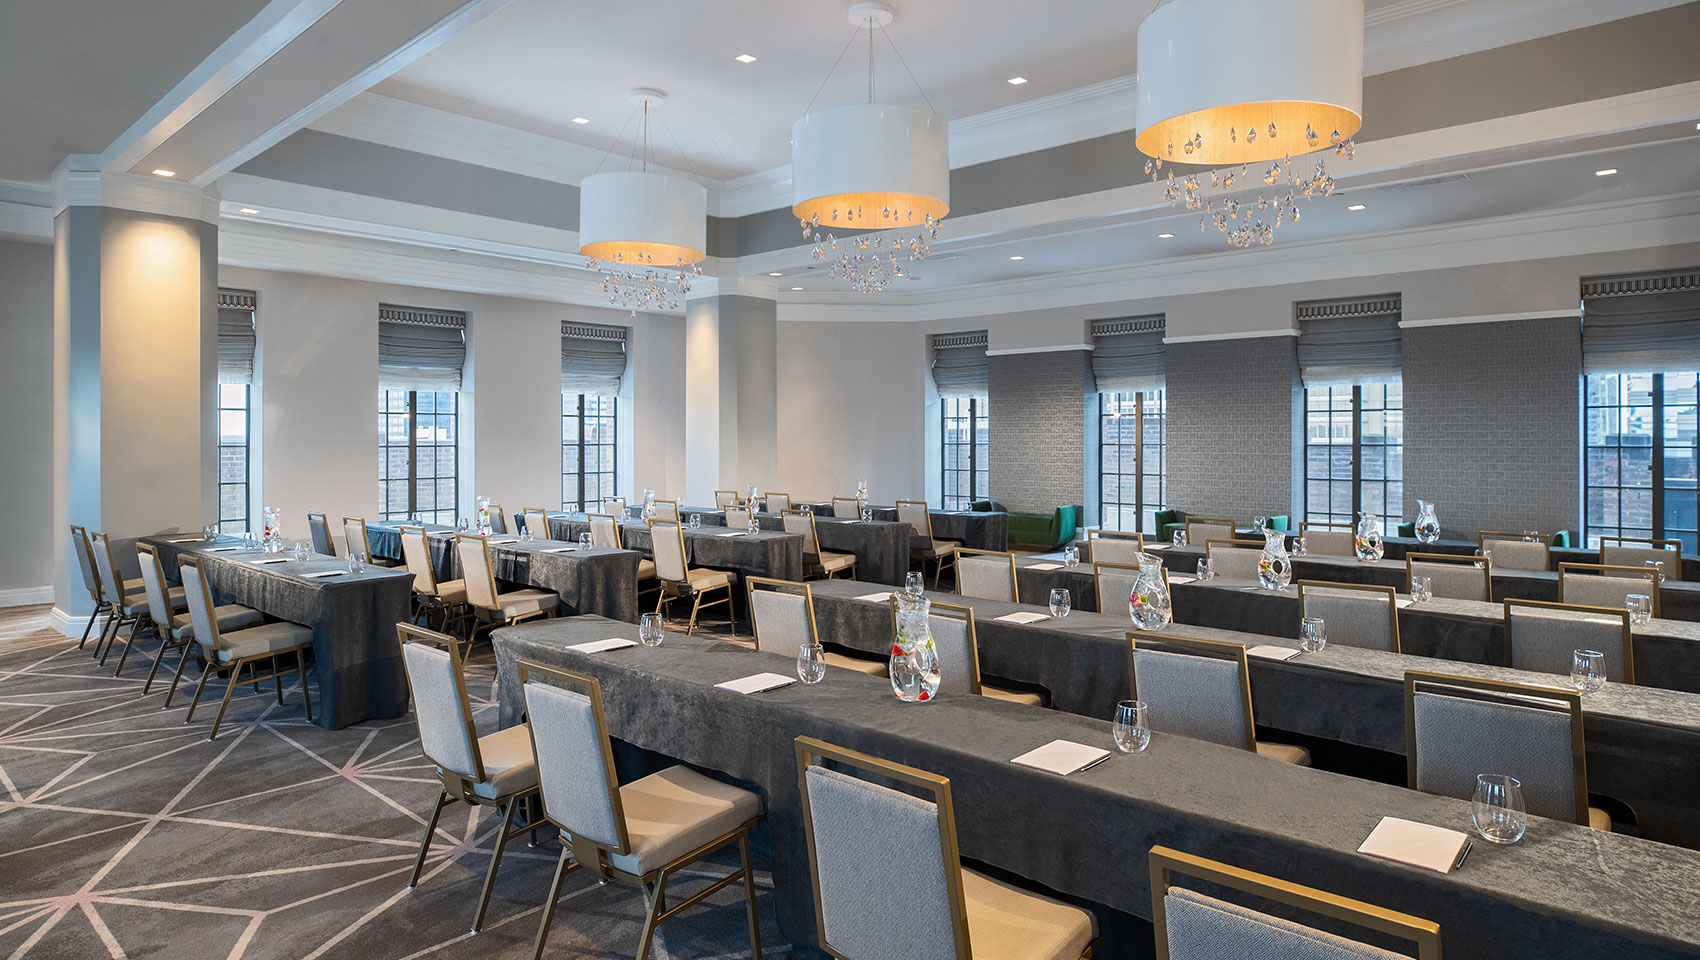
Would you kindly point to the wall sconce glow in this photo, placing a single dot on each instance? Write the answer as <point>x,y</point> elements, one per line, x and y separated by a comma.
<point>744,58</point>
<point>247,210</point>
<point>1356,207</point>
<point>1607,172</point>
<point>165,173</point>
<point>1018,258</point>
<point>1165,236</point>
<point>1017,81</point>
<point>581,119</point>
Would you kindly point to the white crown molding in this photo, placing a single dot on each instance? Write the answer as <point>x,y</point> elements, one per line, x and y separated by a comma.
<point>1235,335</point>
<point>1413,32</point>
<point>1491,318</point>
<point>75,187</point>
<point>1050,348</point>
<point>27,221</point>
<point>26,596</point>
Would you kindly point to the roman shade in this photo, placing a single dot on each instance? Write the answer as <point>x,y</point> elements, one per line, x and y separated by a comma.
<point>236,336</point>
<point>593,358</point>
<point>1349,341</point>
<point>1127,354</point>
<point>959,364</point>
<point>1641,322</point>
<point>420,348</point>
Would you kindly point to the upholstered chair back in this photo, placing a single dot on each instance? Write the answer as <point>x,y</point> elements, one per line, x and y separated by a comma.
<point>1457,580</point>
<point>1590,589</point>
<point>985,577</point>
<point>781,617</point>
<point>954,641</point>
<point>1545,638</point>
<point>354,537</point>
<point>668,540</point>
<point>615,506</point>
<point>666,511</point>
<point>537,523</point>
<point>1201,926</point>
<point>803,522</point>
<point>1203,531</point>
<point>1115,586</point>
<point>111,585</point>
<point>605,530</point>
<point>446,733</point>
<point>724,497</point>
<point>1457,737</point>
<point>1329,542</point>
<point>846,508</point>
<point>476,571</point>
<point>918,515</point>
<point>85,561</point>
<point>738,518</point>
<point>1231,562</point>
<point>777,502</point>
<point>1637,554</point>
<point>572,764</point>
<point>416,552</point>
<point>197,596</point>
<point>1353,617</point>
<point>498,519</point>
<point>1198,697</point>
<point>319,530</point>
<point>153,582</point>
<point>1516,554</point>
<point>1115,547</point>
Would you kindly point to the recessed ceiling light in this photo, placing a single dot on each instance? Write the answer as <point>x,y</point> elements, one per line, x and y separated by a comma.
<point>581,119</point>
<point>1607,172</point>
<point>165,173</point>
<point>1356,207</point>
<point>247,210</point>
<point>1017,81</point>
<point>797,289</point>
<point>1165,236</point>
<point>1018,258</point>
<point>776,273</point>
<point>744,58</point>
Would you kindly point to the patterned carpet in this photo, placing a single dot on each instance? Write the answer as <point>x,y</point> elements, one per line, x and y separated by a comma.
<point>125,833</point>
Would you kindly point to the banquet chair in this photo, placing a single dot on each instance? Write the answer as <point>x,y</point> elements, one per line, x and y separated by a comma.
<point>177,630</point>
<point>1509,551</point>
<point>615,506</point>
<point>1600,585</point>
<point>776,502</point>
<point>1193,924</point>
<point>639,834</point>
<point>914,872</point>
<point>1234,559</point>
<point>497,770</point>
<point>536,520</point>
<point>737,518</point>
<point>128,607</point>
<point>846,508</point>
<point>1200,689</point>
<point>679,581</point>
<point>1329,539</point>
<point>492,608</point>
<point>1452,576</point>
<point>605,534</point>
<point>430,595</point>
<point>724,498</point>
<point>986,575</point>
<point>1114,546</point>
<point>1115,582</point>
<point>958,646</point>
<point>818,562</point>
<point>1201,529</point>
<point>1459,727</point>
<point>1637,551</point>
<point>666,511</point>
<point>919,516</point>
<point>360,544</point>
<point>782,616</point>
<point>244,647</point>
<point>93,583</point>
<point>319,530</point>
<point>498,519</point>
<point>1544,637</point>
<point>1356,614</point>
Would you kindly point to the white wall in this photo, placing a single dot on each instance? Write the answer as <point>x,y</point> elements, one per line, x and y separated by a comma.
<point>657,367</point>
<point>26,431</point>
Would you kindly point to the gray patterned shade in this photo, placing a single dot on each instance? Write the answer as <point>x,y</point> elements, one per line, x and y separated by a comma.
<point>419,355</point>
<point>593,359</point>
<point>959,365</point>
<point>1350,341</point>
<point>1645,321</point>
<point>235,345</point>
<point>1132,360</point>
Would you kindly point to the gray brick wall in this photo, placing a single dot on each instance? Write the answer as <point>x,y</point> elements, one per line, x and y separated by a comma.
<point>1038,423</point>
<point>1492,424</point>
<point>1233,417</point>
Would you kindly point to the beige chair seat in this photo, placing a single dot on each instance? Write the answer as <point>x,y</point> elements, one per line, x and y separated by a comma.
<point>646,570</point>
<point>137,585</point>
<point>834,562</point>
<point>518,603</point>
<point>675,811</point>
<point>704,579</point>
<point>872,668</point>
<point>1285,752</point>
<point>940,548</point>
<point>261,640</point>
<point>509,765</point>
<point>230,617</point>
<point>137,604</point>
<point>450,592</point>
<point>1013,696</point>
<point>1599,819</point>
<point>1008,923</point>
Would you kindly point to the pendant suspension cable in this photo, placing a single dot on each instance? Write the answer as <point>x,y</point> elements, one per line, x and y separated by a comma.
<point>646,136</point>
<point>870,59</point>
<point>615,142</point>
<point>922,90</point>
<point>835,63</point>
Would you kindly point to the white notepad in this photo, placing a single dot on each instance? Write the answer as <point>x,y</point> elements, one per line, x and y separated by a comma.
<point>875,597</point>
<point>1417,844</point>
<point>188,540</point>
<point>600,646</point>
<point>265,560</point>
<point>557,550</point>
<point>1270,651</point>
<point>1402,602</point>
<point>506,540</point>
<point>224,549</point>
<point>756,683</point>
<point>734,533</point>
<point>1024,616</point>
<point>1045,566</point>
<point>1062,757</point>
<point>1181,578</point>
<point>325,573</point>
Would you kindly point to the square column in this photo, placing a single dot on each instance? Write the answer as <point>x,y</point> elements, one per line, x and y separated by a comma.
<point>731,394</point>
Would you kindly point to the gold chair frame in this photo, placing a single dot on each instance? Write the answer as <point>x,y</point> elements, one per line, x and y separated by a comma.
<point>939,560</point>
<point>855,514</point>
<point>1209,545</point>
<point>1653,543</point>
<point>487,618</point>
<point>1391,594</point>
<point>1165,862</point>
<point>330,541</point>
<point>164,628</point>
<point>428,600</point>
<point>1014,583</point>
<point>1199,647</point>
<point>95,585</point>
<point>579,852</point>
<point>1628,633</point>
<point>814,536</point>
<point>526,512</point>
<point>116,616</point>
<point>1618,572</point>
<point>1213,521</point>
<point>1457,559</point>
<point>678,590</point>
<point>185,563</point>
<point>1098,567</point>
<point>1483,536</point>
<point>1094,534</point>
<point>731,496</point>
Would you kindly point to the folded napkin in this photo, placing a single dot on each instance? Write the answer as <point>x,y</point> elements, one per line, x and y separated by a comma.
<point>1417,844</point>
<point>1062,757</point>
<point>266,560</point>
<point>1270,651</point>
<point>325,573</point>
<point>506,540</point>
<point>224,549</point>
<point>756,683</point>
<point>1045,566</point>
<point>875,597</point>
<point>1023,616</point>
<point>600,646</point>
<point>188,540</point>
<point>557,550</point>
<point>734,533</point>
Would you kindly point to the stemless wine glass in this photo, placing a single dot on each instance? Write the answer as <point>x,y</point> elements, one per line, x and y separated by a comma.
<point>464,526</point>
<point>1497,808</point>
<point>1060,602</point>
<point>1587,670</point>
<point>1640,608</point>
<point>584,540</point>
<point>1260,524</point>
<point>1300,548</point>
<point>1658,568</point>
<point>1178,538</point>
<point>1133,727</point>
<point>811,663</point>
<point>1206,570</point>
<point>867,514</point>
<point>356,563</point>
<point>755,525</point>
<point>299,551</point>
<point>1420,587</point>
<point>914,583</point>
<point>1313,634</point>
<point>525,535</point>
<point>209,531</point>
<point>650,631</point>
<point>1071,557</point>
<point>696,521</point>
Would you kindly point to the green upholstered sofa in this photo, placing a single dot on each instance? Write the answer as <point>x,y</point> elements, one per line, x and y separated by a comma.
<point>1045,530</point>
<point>1168,521</point>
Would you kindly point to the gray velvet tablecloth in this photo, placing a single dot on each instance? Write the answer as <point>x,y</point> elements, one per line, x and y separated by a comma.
<point>599,581</point>
<point>881,547</point>
<point>767,554</point>
<point>1643,743</point>
<point>1563,893</point>
<point>357,660</point>
<point>971,528</point>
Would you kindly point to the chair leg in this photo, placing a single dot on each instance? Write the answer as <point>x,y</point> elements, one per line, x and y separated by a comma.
<point>229,688</point>
<point>301,672</point>
<point>130,641</point>
<point>98,608</point>
<point>495,861</point>
<point>205,673</point>
<point>750,895</point>
<point>164,648</point>
<point>177,678</point>
<point>696,604</point>
<point>100,638</point>
<point>561,868</point>
<point>109,636</point>
<point>656,899</point>
<point>277,678</point>
<point>425,845</point>
<point>731,611</point>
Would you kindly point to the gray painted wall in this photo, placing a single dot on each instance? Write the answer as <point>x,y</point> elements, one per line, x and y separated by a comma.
<point>1233,421</point>
<point>1492,424</point>
<point>1038,441</point>
<point>26,431</point>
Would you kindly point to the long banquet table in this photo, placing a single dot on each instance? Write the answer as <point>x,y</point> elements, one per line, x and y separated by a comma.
<point>766,554</point>
<point>356,658</point>
<point>1564,892</point>
<point>1643,743</point>
<point>881,547</point>
<point>595,580</point>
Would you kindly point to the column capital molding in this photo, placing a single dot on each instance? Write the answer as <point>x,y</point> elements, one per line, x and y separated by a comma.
<point>762,288</point>
<point>76,186</point>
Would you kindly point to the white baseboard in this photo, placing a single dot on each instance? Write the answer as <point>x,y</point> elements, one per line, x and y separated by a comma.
<point>70,625</point>
<point>26,596</point>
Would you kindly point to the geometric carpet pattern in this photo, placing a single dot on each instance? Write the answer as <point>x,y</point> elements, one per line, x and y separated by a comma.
<point>125,833</point>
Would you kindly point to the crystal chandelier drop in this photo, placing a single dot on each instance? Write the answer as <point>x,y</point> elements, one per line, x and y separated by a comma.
<point>873,167</point>
<point>645,233</point>
<point>1243,114</point>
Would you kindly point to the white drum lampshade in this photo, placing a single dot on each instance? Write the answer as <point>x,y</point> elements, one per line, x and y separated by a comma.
<point>1224,71</point>
<point>870,166</point>
<point>643,219</point>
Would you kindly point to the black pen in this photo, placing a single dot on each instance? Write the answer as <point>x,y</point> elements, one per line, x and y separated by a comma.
<point>1093,763</point>
<point>1468,844</point>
